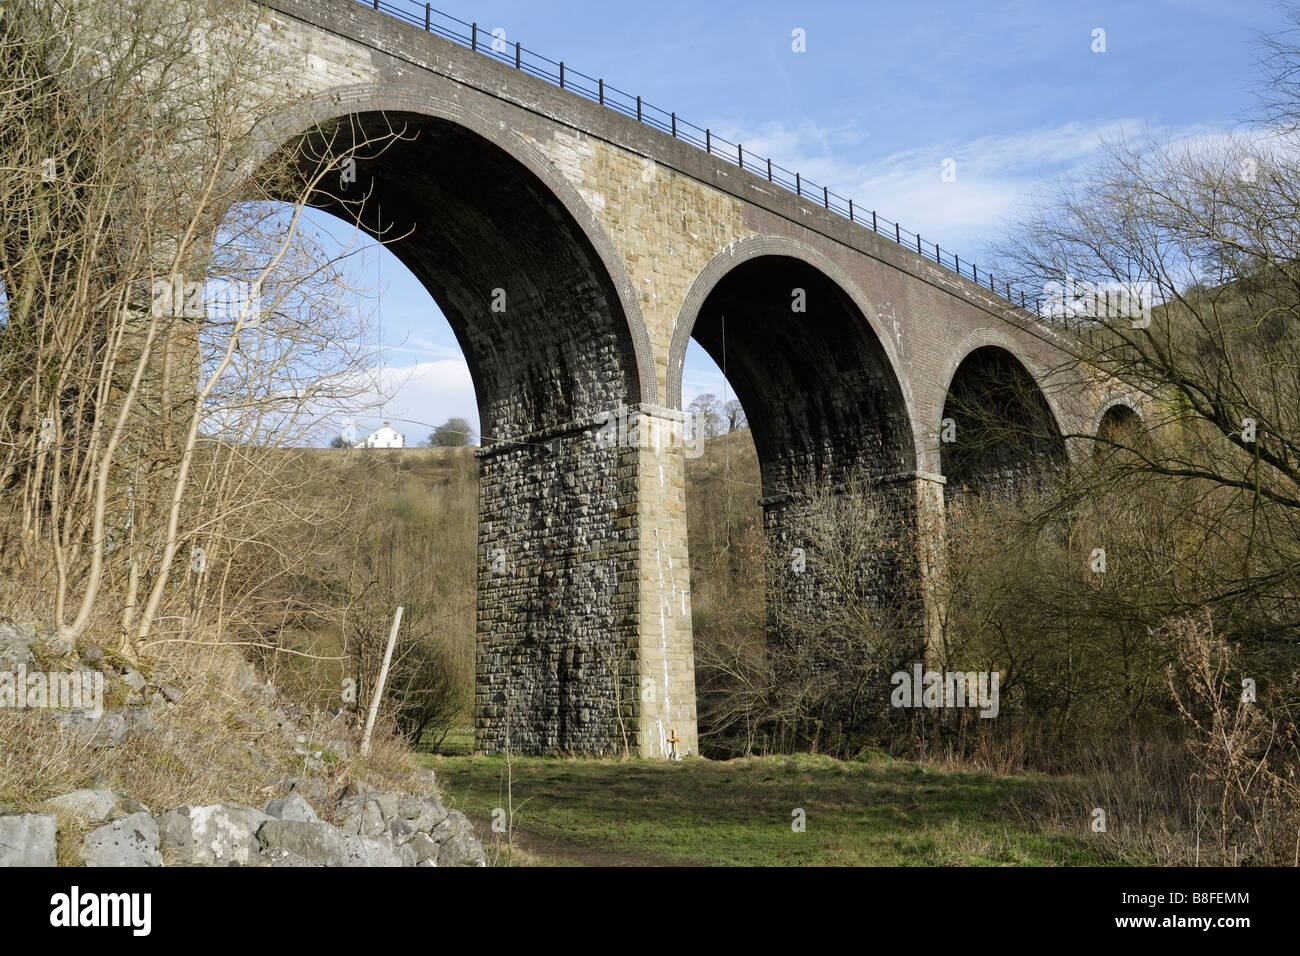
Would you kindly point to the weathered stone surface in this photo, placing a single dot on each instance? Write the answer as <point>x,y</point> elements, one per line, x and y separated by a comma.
<point>422,813</point>
<point>310,789</point>
<point>28,839</point>
<point>92,806</point>
<point>278,857</point>
<point>421,848</point>
<point>220,835</point>
<point>324,845</point>
<point>104,732</point>
<point>400,832</point>
<point>15,645</point>
<point>292,807</point>
<point>130,841</point>
<point>457,845</point>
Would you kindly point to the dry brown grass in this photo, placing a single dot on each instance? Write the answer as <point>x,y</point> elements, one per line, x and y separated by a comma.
<point>205,751</point>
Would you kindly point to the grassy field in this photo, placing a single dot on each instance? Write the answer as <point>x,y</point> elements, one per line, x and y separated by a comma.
<point>740,812</point>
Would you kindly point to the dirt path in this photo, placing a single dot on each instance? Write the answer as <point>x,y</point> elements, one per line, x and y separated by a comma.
<point>567,850</point>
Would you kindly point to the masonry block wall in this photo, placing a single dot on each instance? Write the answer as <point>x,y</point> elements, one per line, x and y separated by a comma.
<point>557,597</point>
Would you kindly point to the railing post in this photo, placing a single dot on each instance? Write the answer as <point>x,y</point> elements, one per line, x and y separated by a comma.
<point>769,170</point>
<point>517,50</point>
<point>898,234</point>
<point>740,156</point>
<point>873,221</point>
<point>850,210</point>
<point>674,126</point>
<point>428,10</point>
<point>936,254</point>
<point>561,74</point>
<point>638,109</point>
<point>708,141</point>
<point>826,196</point>
<point>602,92</point>
<point>1022,298</point>
<point>991,289</point>
<point>975,272</point>
<point>956,259</point>
<point>798,185</point>
<point>918,243</point>
<point>376,4</point>
<point>473,35</point>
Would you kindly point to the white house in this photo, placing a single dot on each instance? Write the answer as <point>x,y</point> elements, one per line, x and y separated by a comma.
<point>385,437</point>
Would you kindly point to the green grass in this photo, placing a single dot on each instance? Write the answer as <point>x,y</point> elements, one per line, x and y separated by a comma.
<point>739,812</point>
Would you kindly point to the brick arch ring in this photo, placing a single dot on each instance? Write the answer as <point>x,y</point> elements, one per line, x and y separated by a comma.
<point>753,247</point>
<point>982,338</point>
<point>274,132</point>
<point>1112,400</point>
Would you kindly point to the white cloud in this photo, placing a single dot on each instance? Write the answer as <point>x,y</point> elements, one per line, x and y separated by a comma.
<point>995,174</point>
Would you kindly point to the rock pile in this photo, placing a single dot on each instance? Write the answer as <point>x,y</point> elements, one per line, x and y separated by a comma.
<point>375,828</point>
<point>305,826</point>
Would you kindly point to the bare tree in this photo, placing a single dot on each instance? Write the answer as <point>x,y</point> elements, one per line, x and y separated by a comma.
<point>707,414</point>
<point>735,415</point>
<point>166,327</point>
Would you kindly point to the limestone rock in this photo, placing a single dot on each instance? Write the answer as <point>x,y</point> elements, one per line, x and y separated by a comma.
<point>325,845</point>
<point>92,806</point>
<point>28,839</point>
<point>130,841</point>
<point>223,835</point>
<point>16,645</point>
<point>292,807</point>
<point>458,846</point>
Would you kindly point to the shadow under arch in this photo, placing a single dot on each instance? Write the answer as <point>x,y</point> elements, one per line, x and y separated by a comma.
<point>486,221</point>
<point>1117,410</point>
<point>998,427</point>
<point>820,387</point>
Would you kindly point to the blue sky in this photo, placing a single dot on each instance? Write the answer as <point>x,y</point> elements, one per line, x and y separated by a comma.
<point>1012,92</point>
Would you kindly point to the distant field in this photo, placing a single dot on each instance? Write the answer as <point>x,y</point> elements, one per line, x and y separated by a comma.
<point>739,813</point>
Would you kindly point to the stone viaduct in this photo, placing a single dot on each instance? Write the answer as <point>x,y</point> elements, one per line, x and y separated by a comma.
<point>615,242</point>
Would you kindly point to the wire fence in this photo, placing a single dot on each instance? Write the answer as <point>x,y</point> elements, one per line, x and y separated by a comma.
<point>494,45</point>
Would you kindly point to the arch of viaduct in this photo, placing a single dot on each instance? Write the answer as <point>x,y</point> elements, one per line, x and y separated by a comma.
<point>616,244</point>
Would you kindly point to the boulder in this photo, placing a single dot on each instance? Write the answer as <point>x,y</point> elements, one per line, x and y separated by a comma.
<point>323,845</point>
<point>421,848</point>
<point>28,839</point>
<point>139,721</point>
<point>16,645</point>
<point>457,845</point>
<point>292,807</point>
<point>90,654</point>
<point>422,813</point>
<point>223,835</point>
<point>360,810</point>
<point>130,841</point>
<point>101,733</point>
<point>92,806</point>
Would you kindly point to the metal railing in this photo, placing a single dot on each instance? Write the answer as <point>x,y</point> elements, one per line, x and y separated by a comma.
<point>483,41</point>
